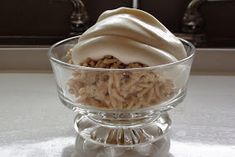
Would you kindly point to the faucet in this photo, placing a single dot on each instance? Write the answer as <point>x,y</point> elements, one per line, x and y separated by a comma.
<point>79,18</point>
<point>135,4</point>
<point>193,22</point>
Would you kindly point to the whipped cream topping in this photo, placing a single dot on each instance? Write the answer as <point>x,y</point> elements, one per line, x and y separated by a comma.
<point>131,35</point>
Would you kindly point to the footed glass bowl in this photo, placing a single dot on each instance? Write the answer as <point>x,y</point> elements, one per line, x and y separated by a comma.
<point>119,107</point>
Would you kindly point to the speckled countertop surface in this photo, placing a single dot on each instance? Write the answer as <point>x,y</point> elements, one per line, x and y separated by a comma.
<point>33,122</point>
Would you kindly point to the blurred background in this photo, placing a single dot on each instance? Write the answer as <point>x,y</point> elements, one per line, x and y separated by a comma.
<point>207,23</point>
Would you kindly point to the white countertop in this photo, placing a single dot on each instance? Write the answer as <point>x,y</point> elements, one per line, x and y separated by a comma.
<point>33,122</point>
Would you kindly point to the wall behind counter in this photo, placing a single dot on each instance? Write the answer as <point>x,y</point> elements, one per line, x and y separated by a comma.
<point>26,21</point>
<point>51,17</point>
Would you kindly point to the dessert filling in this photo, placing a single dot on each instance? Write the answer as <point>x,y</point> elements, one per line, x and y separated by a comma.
<point>118,89</point>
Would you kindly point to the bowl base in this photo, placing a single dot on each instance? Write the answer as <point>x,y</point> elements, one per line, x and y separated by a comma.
<point>121,135</point>
<point>86,148</point>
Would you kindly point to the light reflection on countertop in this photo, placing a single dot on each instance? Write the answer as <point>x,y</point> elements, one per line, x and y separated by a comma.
<point>64,147</point>
<point>34,123</point>
<point>200,150</point>
<point>61,147</point>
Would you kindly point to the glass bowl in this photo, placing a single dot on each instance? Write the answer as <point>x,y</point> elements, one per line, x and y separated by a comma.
<point>120,107</point>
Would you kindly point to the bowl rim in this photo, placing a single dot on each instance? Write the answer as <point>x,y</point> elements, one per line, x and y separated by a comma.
<point>76,66</point>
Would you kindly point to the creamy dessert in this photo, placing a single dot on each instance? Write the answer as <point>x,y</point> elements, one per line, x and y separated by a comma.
<point>130,35</point>
<point>124,38</point>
